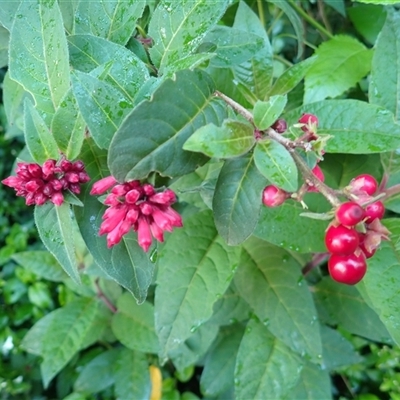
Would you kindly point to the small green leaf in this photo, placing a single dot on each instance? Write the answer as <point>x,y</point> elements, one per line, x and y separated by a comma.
<point>234,46</point>
<point>385,2</point>
<point>126,262</point>
<point>102,106</point>
<point>286,305</point>
<point>276,164</point>
<point>177,28</point>
<point>57,228</point>
<point>42,264</point>
<point>192,278</point>
<point>337,351</point>
<point>74,327</point>
<point>137,318</point>
<point>368,19</point>
<point>314,384</point>
<point>114,20</point>
<point>89,52</point>
<point>356,126</point>
<point>68,126</point>
<point>132,377</point>
<point>95,376</point>
<point>39,140</point>
<point>342,62</point>
<point>237,199</point>
<point>151,137</point>
<point>265,368</point>
<point>232,139</point>
<point>385,77</point>
<point>32,62</point>
<point>344,305</point>
<point>219,365</point>
<point>267,112</point>
<point>292,77</point>
<point>256,73</point>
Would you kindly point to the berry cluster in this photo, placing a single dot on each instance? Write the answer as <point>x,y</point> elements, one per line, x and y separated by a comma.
<point>39,184</point>
<point>136,206</point>
<point>356,232</point>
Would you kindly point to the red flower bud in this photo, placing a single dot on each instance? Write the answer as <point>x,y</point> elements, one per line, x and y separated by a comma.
<point>103,185</point>
<point>57,198</point>
<point>144,234</point>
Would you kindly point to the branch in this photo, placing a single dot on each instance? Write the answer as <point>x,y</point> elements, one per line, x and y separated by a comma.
<point>104,298</point>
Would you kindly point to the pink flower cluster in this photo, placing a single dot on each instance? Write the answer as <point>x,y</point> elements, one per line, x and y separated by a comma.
<point>47,182</point>
<point>136,206</point>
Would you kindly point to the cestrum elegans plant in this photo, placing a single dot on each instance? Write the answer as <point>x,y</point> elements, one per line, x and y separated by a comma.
<point>206,218</point>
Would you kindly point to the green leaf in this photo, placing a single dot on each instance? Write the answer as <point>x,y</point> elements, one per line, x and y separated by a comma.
<point>337,5</point>
<point>95,376</point>
<point>32,62</point>
<point>380,285</point>
<point>68,127</point>
<point>190,280</point>
<point>314,384</point>
<point>265,368</point>
<point>219,364</point>
<point>286,305</point>
<point>126,262</point>
<point>344,305</point>
<point>42,264</point>
<point>193,349</point>
<point>230,308</point>
<point>177,28</point>
<point>234,46</point>
<point>276,164</point>
<point>337,351</point>
<point>102,106</point>
<point>63,332</point>
<point>39,140</point>
<point>357,127</point>
<point>57,228</point>
<point>114,20</point>
<point>385,77</point>
<point>151,137</point>
<point>236,202</point>
<point>292,77</point>
<point>189,62</point>
<point>4,39</point>
<point>132,317</point>
<point>132,377</point>
<point>8,11</point>
<point>342,62</point>
<point>284,227</point>
<point>368,19</point>
<point>387,2</point>
<point>232,139</point>
<point>267,112</point>
<point>256,73</point>
<point>90,52</point>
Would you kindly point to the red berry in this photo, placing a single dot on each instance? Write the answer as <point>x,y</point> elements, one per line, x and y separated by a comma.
<point>364,183</point>
<point>350,213</point>
<point>341,240</point>
<point>279,125</point>
<point>348,269</point>
<point>374,210</point>
<point>273,196</point>
<point>308,119</point>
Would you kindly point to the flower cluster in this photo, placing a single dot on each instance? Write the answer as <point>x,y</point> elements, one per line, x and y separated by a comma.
<point>39,184</point>
<point>136,206</point>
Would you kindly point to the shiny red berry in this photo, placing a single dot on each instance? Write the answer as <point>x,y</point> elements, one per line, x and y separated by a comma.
<point>365,184</point>
<point>273,196</point>
<point>348,269</point>
<point>350,213</point>
<point>341,240</point>
<point>374,210</point>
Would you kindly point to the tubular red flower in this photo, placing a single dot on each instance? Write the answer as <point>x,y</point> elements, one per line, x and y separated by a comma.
<point>103,185</point>
<point>144,234</point>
